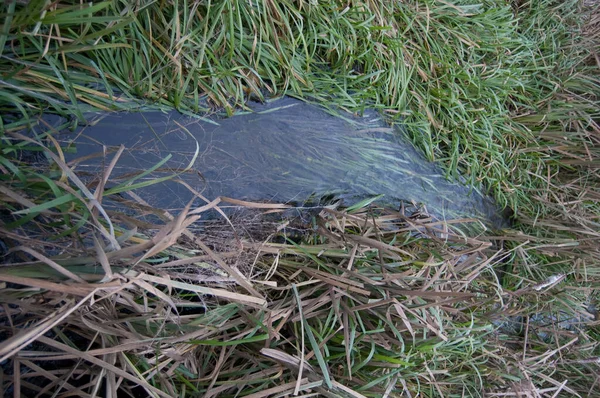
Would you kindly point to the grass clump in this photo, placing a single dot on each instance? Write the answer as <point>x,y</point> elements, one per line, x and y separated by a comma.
<point>369,303</point>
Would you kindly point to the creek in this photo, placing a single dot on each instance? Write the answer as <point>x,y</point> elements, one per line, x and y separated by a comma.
<point>284,151</point>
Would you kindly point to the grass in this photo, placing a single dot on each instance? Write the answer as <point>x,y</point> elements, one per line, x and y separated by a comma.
<point>368,302</point>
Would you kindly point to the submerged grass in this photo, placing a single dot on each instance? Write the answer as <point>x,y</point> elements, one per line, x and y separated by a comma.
<point>369,303</point>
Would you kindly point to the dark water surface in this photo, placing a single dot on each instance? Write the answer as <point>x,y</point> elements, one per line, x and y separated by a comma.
<point>286,151</point>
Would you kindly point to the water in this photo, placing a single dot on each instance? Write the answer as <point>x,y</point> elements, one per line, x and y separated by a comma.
<point>286,151</point>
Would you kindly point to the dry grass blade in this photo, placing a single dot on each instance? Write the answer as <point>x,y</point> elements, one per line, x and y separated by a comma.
<point>77,290</point>
<point>237,276</point>
<point>98,194</point>
<point>33,333</point>
<point>110,368</point>
<point>254,205</point>
<point>170,233</point>
<point>16,197</point>
<point>276,390</point>
<point>347,390</point>
<point>50,263</point>
<point>103,259</point>
<point>204,290</point>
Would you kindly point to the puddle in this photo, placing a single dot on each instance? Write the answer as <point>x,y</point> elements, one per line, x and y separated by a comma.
<point>286,151</point>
